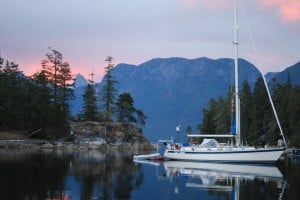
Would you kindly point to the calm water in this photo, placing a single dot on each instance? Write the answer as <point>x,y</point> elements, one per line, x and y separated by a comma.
<point>113,175</point>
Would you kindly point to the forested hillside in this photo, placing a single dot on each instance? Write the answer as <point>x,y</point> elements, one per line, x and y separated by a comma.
<point>256,114</point>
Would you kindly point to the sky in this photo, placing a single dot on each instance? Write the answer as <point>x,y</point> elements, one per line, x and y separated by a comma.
<point>136,31</point>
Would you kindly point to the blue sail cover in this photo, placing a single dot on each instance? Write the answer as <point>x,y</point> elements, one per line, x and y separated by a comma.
<point>233,128</point>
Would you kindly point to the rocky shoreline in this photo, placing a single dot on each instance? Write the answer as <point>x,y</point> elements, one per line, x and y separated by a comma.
<point>44,144</point>
<point>86,136</point>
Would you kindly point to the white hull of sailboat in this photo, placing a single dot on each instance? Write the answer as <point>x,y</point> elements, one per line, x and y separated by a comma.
<point>232,155</point>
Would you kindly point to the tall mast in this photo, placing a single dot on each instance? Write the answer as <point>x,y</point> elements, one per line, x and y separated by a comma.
<point>237,100</point>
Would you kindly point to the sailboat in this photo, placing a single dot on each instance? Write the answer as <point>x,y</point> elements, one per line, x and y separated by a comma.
<point>210,150</point>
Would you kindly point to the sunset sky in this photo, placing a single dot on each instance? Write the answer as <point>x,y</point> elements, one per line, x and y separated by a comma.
<point>135,31</point>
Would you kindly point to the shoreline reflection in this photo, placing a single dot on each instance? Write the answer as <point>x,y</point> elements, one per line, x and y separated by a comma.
<point>37,174</point>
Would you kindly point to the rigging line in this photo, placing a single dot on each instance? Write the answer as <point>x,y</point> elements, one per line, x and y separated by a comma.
<point>256,57</point>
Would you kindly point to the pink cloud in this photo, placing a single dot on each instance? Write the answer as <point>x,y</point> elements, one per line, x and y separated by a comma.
<point>288,10</point>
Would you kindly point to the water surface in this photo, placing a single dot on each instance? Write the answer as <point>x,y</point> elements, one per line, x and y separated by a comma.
<point>114,175</point>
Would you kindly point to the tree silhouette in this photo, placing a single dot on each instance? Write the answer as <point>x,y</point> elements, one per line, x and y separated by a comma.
<point>108,92</point>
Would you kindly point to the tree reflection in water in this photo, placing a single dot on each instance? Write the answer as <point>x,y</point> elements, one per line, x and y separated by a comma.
<point>31,174</point>
<point>44,175</point>
<point>109,174</point>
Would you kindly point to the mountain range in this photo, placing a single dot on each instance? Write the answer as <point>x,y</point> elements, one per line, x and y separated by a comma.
<point>174,91</point>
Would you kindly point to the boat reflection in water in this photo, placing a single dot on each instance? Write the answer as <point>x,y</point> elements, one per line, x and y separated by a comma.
<point>228,178</point>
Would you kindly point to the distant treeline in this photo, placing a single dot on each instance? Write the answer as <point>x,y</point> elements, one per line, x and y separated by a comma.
<point>256,113</point>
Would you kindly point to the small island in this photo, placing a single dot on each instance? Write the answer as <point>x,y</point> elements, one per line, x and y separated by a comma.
<point>35,110</point>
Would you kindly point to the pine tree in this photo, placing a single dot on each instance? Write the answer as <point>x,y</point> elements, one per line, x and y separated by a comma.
<point>54,85</point>
<point>261,109</point>
<point>58,73</point>
<point>11,95</point>
<point>208,125</point>
<point>53,63</point>
<point>90,108</point>
<point>108,92</point>
<point>126,110</point>
<point>245,103</point>
<point>294,117</point>
<point>222,117</point>
<point>40,99</point>
<point>64,82</point>
<point>141,117</point>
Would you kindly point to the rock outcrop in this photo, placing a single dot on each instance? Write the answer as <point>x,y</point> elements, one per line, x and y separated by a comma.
<point>108,134</point>
<point>86,136</point>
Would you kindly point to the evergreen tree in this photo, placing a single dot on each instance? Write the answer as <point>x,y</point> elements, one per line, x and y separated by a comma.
<point>64,82</point>
<point>208,125</point>
<point>40,99</point>
<point>282,99</point>
<point>141,117</point>
<point>17,108</point>
<point>58,73</point>
<point>222,117</point>
<point>54,86</point>
<point>53,63</point>
<point>245,104</point>
<point>126,110</point>
<point>261,110</point>
<point>295,138</point>
<point>90,108</point>
<point>292,131</point>
<point>11,95</point>
<point>108,92</point>
<point>216,118</point>
<point>291,124</point>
